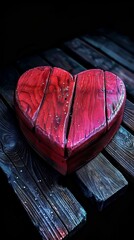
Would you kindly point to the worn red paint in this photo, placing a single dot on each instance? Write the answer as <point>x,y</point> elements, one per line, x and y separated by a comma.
<point>69,120</point>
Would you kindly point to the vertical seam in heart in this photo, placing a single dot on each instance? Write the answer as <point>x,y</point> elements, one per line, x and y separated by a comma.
<point>105,100</point>
<point>70,115</point>
<point>39,108</point>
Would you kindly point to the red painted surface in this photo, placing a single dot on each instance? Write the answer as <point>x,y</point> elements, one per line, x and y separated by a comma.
<point>69,120</point>
<point>52,121</point>
<point>88,118</point>
<point>30,92</point>
<point>115,94</point>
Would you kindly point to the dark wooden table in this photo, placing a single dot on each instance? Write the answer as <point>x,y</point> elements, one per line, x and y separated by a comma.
<point>97,200</point>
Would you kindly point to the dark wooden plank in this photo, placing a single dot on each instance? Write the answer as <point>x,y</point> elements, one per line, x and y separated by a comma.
<point>121,148</point>
<point>51,207</point>
<point>110,48</point>
<point>58,58</point>
<point>113,188</point>
<point>101,181</point>
<point>8,80</point>
<point>98,60</point>
<point>128,117</point>
<point>28,62</point>
<point>120,38</point>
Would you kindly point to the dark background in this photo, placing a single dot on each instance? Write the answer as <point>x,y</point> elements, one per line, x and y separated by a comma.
<point>26,29</point>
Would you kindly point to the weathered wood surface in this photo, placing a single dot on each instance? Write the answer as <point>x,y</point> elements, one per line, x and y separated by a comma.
<point>122,149</point>
<point>113,50</point>
<point>91,56</point>
<point>105,190</point>
<point>121,39</point>
<point>128,118</point>
<point>101,181</point>
<point>51,207</point>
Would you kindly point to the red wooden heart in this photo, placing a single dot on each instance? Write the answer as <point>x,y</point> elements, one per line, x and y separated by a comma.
<point>69,120</point>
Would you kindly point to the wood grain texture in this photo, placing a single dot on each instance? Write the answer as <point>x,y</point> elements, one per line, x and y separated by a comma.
<point>29,93</point>
<point>121,148</point>
<point>91,56</point>
<point>101,181</point>
<point>115,97</point>
<point>121,39</point>
<point>128,117</point>
<point>52,121</point>
<point>113,50</point>
<point>93,149</point>
<point>57,58</point>
<point>87,122</point>
<point>51,207</point>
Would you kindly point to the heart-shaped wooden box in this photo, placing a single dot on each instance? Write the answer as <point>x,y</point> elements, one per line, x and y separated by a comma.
<point>69,119</point>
